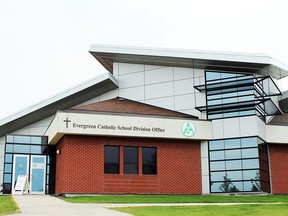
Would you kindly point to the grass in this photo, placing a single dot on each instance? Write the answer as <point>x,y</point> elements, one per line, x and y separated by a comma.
<point>235,210</point>
<point>176,199</point>
<point>8,205</point>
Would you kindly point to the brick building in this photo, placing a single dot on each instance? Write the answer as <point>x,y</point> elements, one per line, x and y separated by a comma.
<point>158,122</point>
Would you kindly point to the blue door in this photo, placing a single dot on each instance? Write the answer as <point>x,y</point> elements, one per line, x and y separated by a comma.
<point>37,174</point>
<point>34,166</point>
<point>20,167</point>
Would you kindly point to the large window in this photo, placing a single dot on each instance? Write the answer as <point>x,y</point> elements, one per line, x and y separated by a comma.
<point>130,160</point>
<point>238,94</point>
<point>149,161</point>
<point>111,159</point>
<point>239,165</point>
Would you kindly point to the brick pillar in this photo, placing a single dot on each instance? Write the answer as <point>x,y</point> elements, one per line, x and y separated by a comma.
<point>140,161</point>
<point>121,157</point>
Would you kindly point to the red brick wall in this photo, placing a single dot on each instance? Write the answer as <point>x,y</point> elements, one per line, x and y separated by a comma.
<point>279,168</point>
<point>80,167</point>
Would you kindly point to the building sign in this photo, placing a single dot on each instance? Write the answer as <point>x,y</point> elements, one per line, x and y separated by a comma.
<point>188,129</point>
<point>121,125</point>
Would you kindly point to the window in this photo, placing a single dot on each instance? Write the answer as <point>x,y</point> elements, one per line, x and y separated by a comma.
<point>130,160</point>
<point>238,165</point>
<point>149,161</point>
<point>111,159</point>
<point>238,94</point>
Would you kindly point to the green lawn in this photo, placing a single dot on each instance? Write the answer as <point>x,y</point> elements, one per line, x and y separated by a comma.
<point>176,199</point>
<point>239,210</point>
<point>8,205</point>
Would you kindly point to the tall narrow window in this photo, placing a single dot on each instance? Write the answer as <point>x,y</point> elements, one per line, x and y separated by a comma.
<point>149,161</point>
<point>111,159</point>
<point>130,160</point>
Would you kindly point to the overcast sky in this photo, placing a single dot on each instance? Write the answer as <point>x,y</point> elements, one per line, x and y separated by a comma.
<point>44,43</point>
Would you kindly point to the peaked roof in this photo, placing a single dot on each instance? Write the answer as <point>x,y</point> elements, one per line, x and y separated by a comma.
<point>125,106</point>
<point>231,61</point>
<point>71,97</point>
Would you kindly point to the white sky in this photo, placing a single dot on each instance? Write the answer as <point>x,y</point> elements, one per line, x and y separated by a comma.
<point>44,43</point>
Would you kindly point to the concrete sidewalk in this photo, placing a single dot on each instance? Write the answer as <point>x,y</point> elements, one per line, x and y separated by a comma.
<point>44,205</point>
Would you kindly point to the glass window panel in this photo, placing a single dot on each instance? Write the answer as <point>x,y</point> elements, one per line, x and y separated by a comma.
<point>149,160</point>
<point>229,100</point>
<point>248,92</point>
<point>212,75</point>
<point>253,186</point>
<point>230,114</point>
<point>248,112</point>
<point>7,178</point>
<point>36,149</point>
<point>7,188</point>
<point>149,169</point>
<point>8,168</point>
<point>250,174</point>
<point>111,154</point>
<point>36,140</point>
<point>44,140</point>
<point>10,138</point>
<point>214,102</point>
<point>8,158</point>
<point>111,159</point>
<point>9,147</point>
<point>130,160</point>
<point>246,98</point>
<point>216,116</point>
<point>234,175</point>
<point>149,155</point>
<point>111,168</point>
<point>130,154</point>
<point>233,154</point>
<point>250,153</point>
<point>130,169</point>
<point>217,165</point>
<point>227,187</point>
<point>236,187</point>
<point>227,75</point>
<point>211,97</point>
<point>22,139</point>
<point>21,148</point>
<point>216,144</point>
<point>232,143</point>
<point>217,155</point>
<point>217,176</point>
<point>249,142</point>
<point>250,164</point>
<point>233,94</point>
<point>215,187</point>
<point>233,164</point>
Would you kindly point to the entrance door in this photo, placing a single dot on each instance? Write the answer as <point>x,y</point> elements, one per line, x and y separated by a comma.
<point>37,174</point>
<point>20,167</point>
<point>34,166</point>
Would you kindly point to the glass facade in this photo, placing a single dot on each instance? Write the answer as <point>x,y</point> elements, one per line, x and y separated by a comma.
<point>238,94</point>
<point>29,145</point>
<point>239,165</point>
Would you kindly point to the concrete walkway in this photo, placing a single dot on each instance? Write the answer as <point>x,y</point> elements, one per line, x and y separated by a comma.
<point>44,205</point>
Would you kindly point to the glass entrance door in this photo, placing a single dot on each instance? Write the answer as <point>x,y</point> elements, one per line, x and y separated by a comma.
<point>20,167</point>
<point>34,166</point>
<point>37,174</point>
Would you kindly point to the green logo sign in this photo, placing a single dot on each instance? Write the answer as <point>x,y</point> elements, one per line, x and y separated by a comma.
<point>188,129</point>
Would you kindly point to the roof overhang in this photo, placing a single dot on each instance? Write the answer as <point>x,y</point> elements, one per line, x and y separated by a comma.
<point>69,98</point>
<point>227,61</point>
